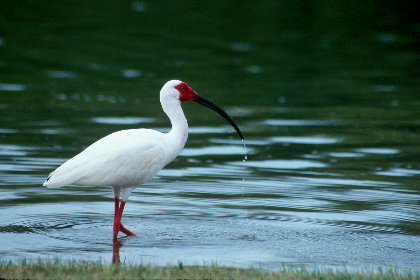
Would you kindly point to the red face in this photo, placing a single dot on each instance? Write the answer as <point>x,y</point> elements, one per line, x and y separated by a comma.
<point>185,92</point>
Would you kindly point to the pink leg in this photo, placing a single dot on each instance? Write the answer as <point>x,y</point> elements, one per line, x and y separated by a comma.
<point>118,226</point>
<point>117,220</point>
<point>117,205</point>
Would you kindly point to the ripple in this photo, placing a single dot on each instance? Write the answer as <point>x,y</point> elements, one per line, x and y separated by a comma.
<point>7,179</point>
<point>61,74</point>
<point>12,87</point>
<point>15,150</point>
<point>131,73</point>
<point>44,161</point>
<point>240,47</point>
<point>42,224</point>
<point>240,111</point>
<point>207,130</point>
<point>346,155</point>
<point>214,150</point>
<point>282,164</point>
<point>287,122</point>
<point>7,195</point>
<point>339,181</point>
<point>56,131</point>
<point>385,88</point>
<point>11,152</point>
<point>8,131</point>
<point>305,140</point>
<point>139,6</point>
<point>379,151</point>
<point>22,163</point>
<point>122,120</point>
<point>254,69</point>
<point>235,141</point>
<point>214,171</point>
<point>399,172</point>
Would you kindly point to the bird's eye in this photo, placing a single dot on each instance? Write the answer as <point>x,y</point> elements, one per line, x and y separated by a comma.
<point>183,88</point>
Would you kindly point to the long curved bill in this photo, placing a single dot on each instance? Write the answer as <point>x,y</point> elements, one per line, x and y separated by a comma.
<point>204,101</point>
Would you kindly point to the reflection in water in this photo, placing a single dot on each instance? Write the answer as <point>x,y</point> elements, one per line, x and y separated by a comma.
<point>116,245</point>
<point>116,251</point>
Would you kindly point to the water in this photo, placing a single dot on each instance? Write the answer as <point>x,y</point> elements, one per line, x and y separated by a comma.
<point>326,96</point>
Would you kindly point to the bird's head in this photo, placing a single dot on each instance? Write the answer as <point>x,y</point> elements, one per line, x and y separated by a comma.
<point>179,91</point>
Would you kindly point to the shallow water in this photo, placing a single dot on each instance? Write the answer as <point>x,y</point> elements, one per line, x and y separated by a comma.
<point>327,98</point>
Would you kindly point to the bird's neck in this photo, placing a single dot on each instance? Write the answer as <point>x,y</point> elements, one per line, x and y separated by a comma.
<point>179,125</point>
<point>177,136</point>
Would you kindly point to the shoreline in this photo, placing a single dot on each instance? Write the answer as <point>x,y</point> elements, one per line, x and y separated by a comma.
<point>97,270</point>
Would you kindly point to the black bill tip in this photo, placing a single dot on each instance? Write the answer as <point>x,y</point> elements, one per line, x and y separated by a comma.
<point>204,101</point>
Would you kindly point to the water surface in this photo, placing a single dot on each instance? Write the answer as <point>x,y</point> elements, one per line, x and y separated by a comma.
<point>326,96</point>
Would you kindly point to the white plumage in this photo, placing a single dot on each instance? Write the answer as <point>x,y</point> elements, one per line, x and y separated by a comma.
<point>114,160</point>
<point>127,158</point>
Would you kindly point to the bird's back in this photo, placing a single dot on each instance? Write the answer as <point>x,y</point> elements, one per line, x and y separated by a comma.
<point>125,158</point>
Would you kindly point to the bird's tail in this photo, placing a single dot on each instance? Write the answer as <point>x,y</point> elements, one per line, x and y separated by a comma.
<point>46,183</point>
<point>51,183</point>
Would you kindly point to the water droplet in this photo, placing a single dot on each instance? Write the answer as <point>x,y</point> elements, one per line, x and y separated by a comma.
<point>245,151</point>
<point>243,179</point>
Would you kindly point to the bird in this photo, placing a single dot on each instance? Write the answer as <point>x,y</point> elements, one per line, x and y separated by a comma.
<point>127,158</point>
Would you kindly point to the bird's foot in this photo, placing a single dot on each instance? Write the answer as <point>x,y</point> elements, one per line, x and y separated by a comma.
<point>123,229</point>
<point>126,231</point>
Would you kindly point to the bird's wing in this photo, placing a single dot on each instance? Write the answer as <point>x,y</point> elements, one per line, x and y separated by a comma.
<point>125,158</point>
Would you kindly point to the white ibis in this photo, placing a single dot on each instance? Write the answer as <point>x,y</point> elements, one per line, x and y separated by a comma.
<point>127,158</point>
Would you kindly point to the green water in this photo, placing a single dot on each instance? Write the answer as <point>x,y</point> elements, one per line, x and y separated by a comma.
<point>326,94</point>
